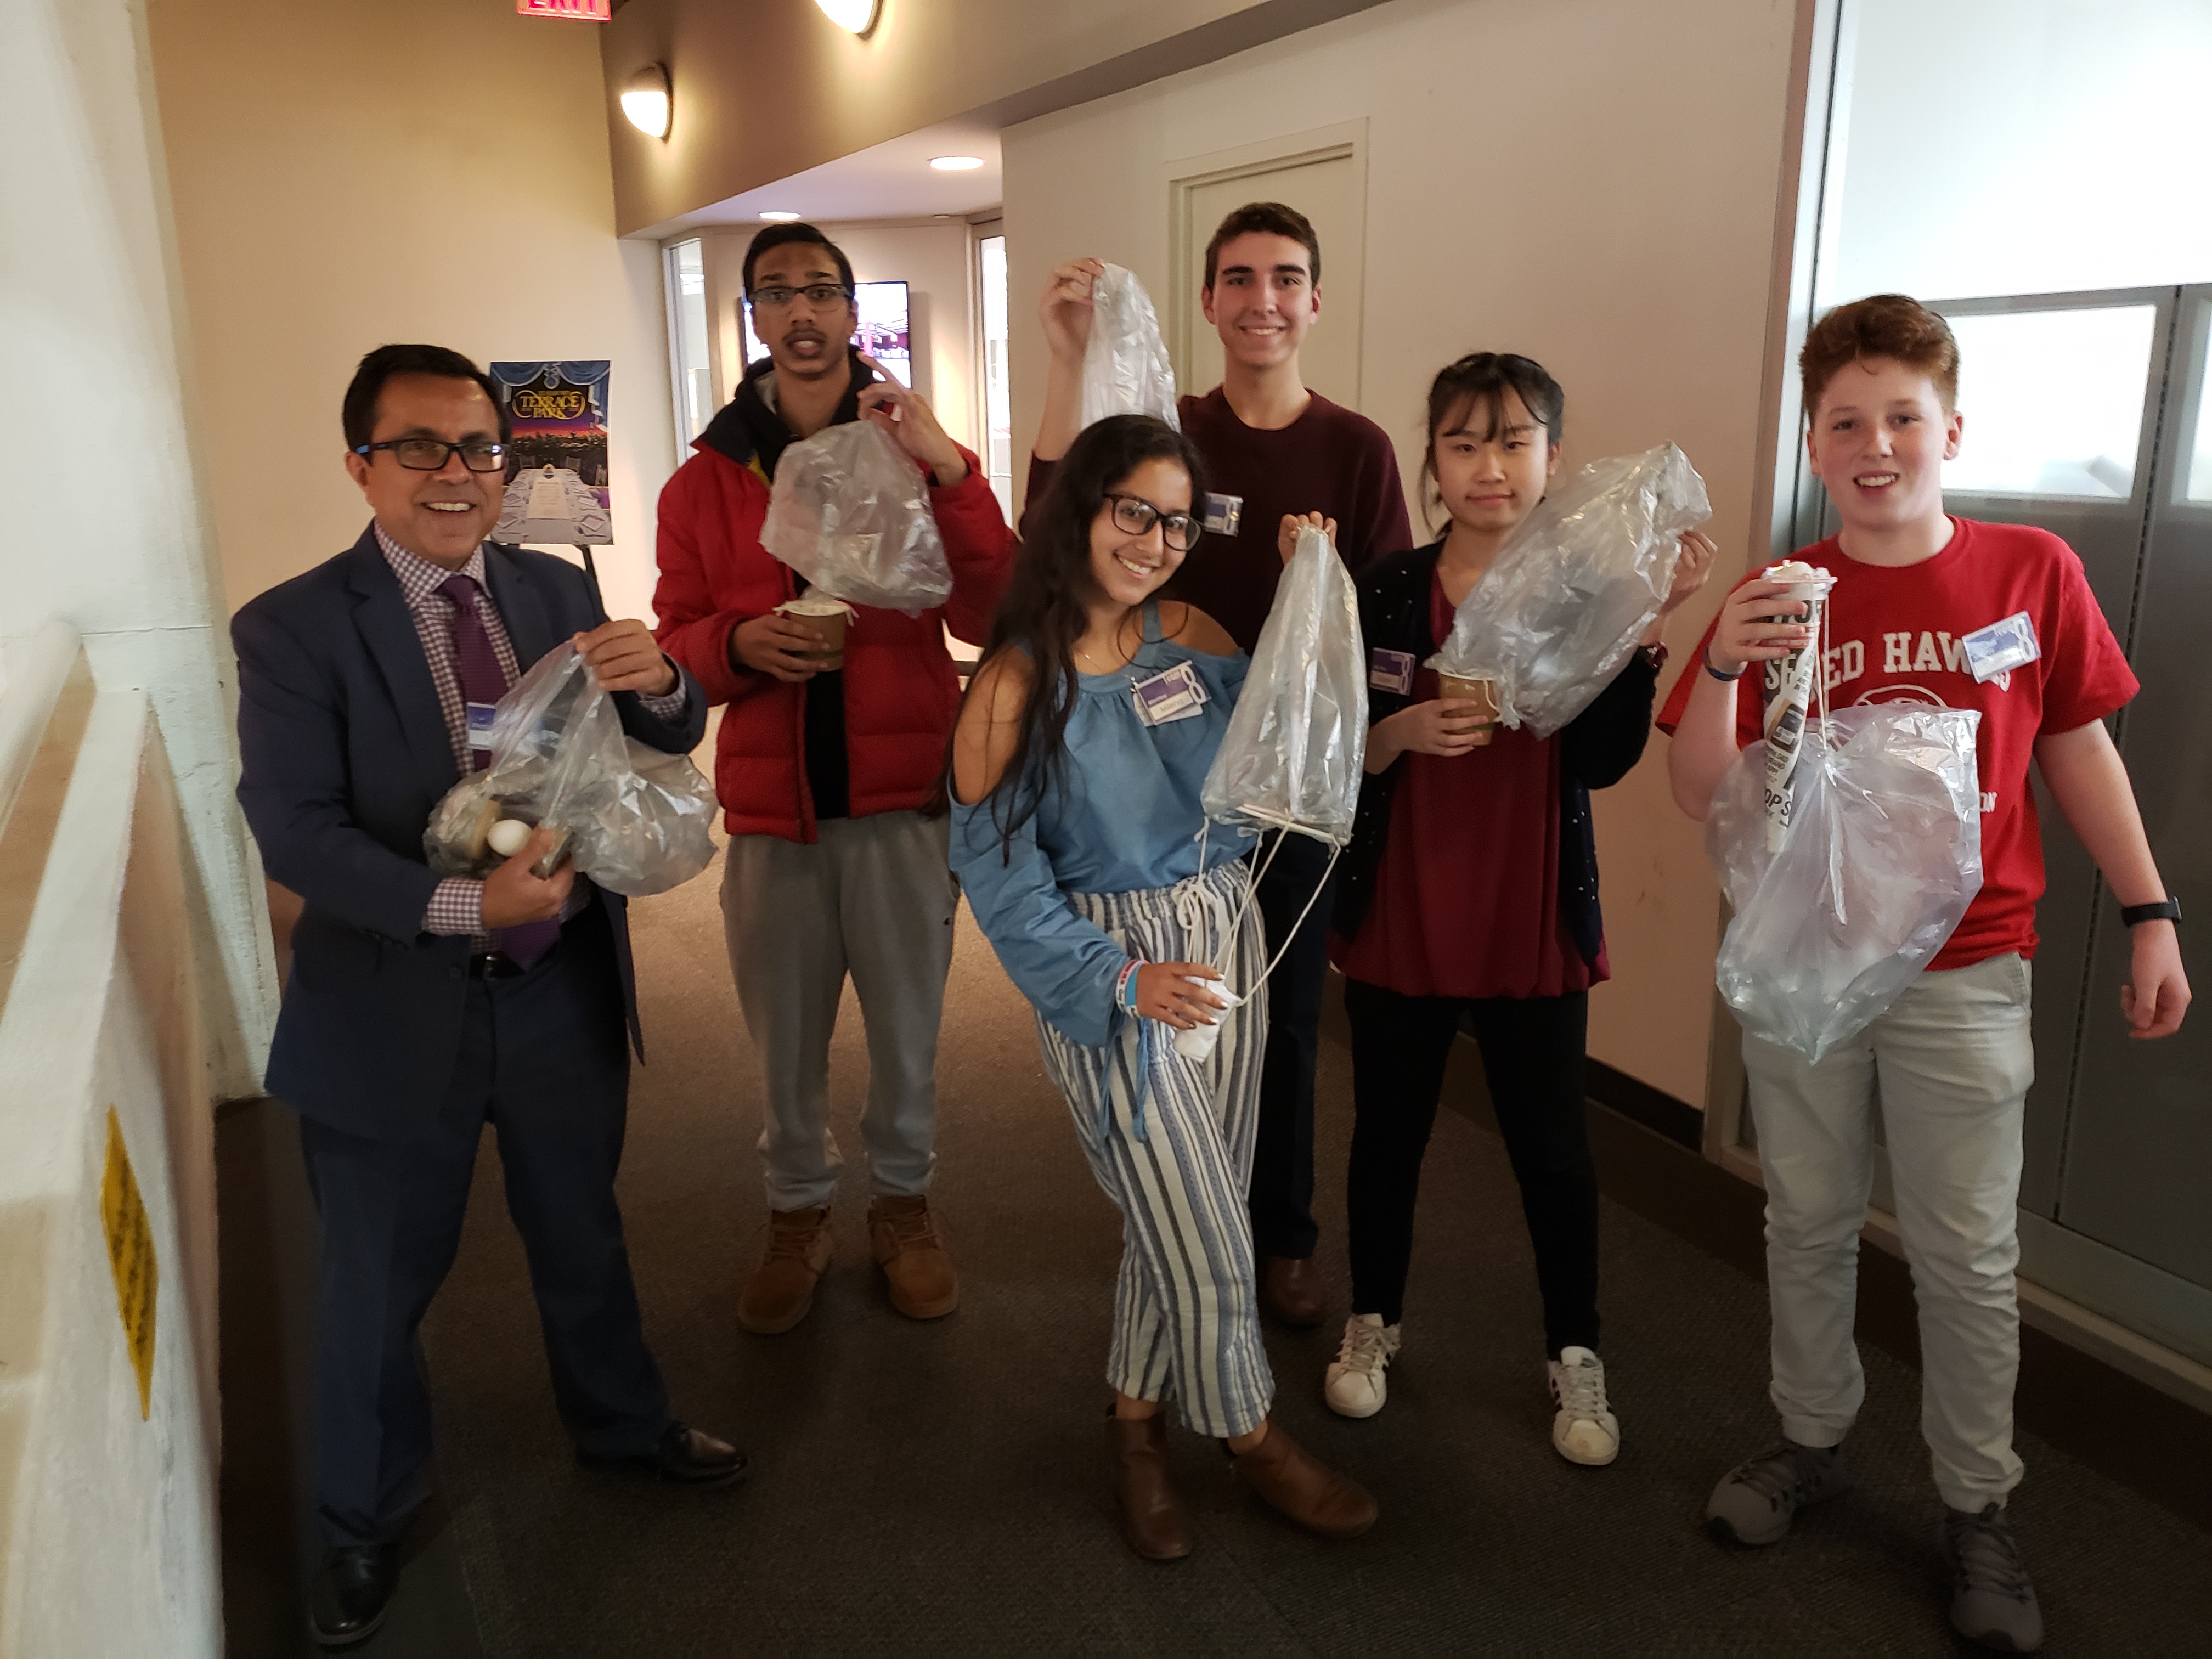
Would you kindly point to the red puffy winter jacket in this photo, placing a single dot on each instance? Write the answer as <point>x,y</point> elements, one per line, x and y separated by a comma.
<point>902,691</point>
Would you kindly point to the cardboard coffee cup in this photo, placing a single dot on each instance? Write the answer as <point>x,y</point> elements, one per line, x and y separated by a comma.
<point>825,618</point>
<point>1455,688</point>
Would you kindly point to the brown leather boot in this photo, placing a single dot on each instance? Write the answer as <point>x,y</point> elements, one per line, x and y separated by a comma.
<point>781,1289</point>
<point>1291,1290</point>
<point>1154,1524</point>
<point>917,1269</point>
<point>1302,1488</point>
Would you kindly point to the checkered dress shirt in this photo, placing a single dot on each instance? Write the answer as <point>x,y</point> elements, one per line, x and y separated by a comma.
<point>457,906</point>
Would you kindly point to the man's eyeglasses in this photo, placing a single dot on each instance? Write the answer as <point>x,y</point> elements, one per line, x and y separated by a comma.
<point>429,454</point>
<point>1137,515</point>
<point>818,295</point>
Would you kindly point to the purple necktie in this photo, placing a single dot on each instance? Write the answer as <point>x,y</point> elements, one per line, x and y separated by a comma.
<point>483,680</point>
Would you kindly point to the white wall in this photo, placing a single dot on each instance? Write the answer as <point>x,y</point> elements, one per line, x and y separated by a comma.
<point>2022,147</point>
<point>1590,182</point>
<point>347,176</point>
<point>932,259</point>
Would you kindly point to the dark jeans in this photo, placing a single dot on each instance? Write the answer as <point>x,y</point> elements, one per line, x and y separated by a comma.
<point>1281,1197</point>
<point>545,1061</point>
<point>1532,1057</point>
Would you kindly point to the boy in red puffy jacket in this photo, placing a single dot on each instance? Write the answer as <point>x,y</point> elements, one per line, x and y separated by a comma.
<point>824,769</point>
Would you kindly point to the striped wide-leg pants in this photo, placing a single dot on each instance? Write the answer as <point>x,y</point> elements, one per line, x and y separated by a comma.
<point>1170,1141</point>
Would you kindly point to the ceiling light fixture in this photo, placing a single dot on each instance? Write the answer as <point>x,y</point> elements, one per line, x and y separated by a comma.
<point>955,163</point>
<point>778,216</point>
<point>857,16</point>
<point>645,100</point>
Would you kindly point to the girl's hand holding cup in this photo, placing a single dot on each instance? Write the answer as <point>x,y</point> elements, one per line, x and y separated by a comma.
<point>1165,992</point>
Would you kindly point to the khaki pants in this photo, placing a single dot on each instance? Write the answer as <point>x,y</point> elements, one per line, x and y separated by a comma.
<point>1949,1062</point>
<point>872,898</point>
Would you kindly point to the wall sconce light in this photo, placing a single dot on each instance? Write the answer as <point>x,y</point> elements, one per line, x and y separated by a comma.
<point>955,163</point>
<point>857,17</point>
<point>645,100</point>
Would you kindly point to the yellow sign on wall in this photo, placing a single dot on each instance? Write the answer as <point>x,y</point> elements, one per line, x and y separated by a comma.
<point>130,1254</point>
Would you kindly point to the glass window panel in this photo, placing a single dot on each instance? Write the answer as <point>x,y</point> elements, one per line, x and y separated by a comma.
<point>694,389</point>
<point>2053,401</point>
<point>2199,460</point>
<point>998,395</point>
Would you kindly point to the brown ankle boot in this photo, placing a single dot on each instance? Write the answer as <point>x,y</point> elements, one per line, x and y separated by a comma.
<point>781,1289</point>
<point>1304,1489</point>
<point>1153,1520</point>
<point>917,1268</point>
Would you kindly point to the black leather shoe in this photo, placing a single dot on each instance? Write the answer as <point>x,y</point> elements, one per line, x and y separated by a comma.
<point>688,1456</point>
<point>1291,1288</point>
<point>352,1592</point>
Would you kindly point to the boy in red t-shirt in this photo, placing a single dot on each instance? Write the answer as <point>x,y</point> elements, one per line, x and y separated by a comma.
<point>1953,1054</point>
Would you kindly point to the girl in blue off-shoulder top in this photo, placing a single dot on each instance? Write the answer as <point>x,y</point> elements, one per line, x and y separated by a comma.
<point>1076,769</point>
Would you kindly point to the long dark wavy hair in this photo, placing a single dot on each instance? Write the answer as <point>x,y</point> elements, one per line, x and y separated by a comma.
<point>1048,603</point>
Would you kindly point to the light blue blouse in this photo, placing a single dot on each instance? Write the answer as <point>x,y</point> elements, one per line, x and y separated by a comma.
<point>1126,820</point>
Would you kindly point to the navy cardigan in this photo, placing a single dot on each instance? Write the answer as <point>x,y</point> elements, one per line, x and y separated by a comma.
<point>1597,748</point>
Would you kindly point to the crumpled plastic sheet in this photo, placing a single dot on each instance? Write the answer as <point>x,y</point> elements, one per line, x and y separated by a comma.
<point>1297,740</point>
<point>850,512</point>
<point>1124,368</point>
<point>1570,594</point>
<point>633,819</point>
<point>1882,856</point>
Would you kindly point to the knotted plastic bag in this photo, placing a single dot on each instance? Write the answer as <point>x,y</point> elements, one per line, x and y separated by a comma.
<point>634,820</point>
<point>850,512</point>
<point>1574,589</point>
<point>1881,856</point>
<point>1291,758</point>
<point>1124,368</point>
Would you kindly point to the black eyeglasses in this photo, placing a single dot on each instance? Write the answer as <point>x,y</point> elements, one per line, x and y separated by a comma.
<point>429,454</point>
<point>1137,515</point>
<point>818,295</point>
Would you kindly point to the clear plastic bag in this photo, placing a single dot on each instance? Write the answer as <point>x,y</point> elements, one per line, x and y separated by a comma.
<point>1290,758</point>
<point>1124,368</point>
<point>634,820</point>
<point>1564,602</point>
<point>1881,858</point>
<point>850,512</point>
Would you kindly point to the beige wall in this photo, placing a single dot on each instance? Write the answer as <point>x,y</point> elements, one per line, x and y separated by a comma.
<point>934,259</point>
<point>1590,182</point>
<point>344,176</point>
<point>762,92</point>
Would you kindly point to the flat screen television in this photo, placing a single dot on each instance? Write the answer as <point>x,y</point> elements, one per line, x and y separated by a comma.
<point>884,331</point>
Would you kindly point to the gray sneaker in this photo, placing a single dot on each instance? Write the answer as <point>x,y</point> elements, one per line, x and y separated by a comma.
<point>1991,1600</point>
<point>1754,1501</point>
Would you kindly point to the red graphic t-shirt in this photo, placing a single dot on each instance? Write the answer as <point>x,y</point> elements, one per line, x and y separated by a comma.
<point>1896,635</point>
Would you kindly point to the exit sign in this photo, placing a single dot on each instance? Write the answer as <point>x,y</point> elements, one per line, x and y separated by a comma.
<point>589,11</point>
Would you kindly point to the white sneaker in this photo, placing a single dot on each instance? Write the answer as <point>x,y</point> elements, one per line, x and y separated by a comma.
<point>1585,1430</point>
<point>1354,1386</point>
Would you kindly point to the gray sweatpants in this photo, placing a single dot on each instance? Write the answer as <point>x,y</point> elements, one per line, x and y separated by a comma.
<point>873,899</point>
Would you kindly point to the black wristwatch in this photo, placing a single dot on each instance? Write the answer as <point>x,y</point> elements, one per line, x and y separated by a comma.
<point>2169,909</point>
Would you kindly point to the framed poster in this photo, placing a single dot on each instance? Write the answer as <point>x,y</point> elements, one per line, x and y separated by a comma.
<point>558,493</point>
<point>882,329</point>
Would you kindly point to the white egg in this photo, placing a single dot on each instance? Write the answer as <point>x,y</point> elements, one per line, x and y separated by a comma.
<point>508,836</point>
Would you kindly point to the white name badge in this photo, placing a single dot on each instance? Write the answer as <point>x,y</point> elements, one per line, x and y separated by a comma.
<point>481,715</point>
<point>1174,695</point>
<point>1223,513</point>
<point>1390,671</point>
<point>2002,647</point>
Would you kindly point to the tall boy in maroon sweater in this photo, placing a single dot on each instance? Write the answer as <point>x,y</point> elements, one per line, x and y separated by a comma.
<point>1275,452</point>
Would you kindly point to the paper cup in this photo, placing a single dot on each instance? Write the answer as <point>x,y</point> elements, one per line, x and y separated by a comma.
<point>1455,687</point>
<point>827,620</point>
<point>1197,1043</point>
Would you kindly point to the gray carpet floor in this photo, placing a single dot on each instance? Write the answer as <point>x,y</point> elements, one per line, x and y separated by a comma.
<point>943,1487</point>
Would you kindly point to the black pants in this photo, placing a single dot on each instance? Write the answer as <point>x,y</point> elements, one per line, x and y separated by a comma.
<point>544,1060</point>
<point>1281,1196</point>
<point>1532,1057</point>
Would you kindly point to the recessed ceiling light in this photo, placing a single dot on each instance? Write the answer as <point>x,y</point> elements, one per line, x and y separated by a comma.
<point>858,16</point>
<point>955,163</point>
<point>778,218</point>
<point>645,100</point>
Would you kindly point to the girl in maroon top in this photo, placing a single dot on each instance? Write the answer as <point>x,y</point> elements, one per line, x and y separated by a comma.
<point>1469,894</point>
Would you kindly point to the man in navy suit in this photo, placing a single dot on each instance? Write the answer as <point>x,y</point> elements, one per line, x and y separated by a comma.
<point>420,1009</point>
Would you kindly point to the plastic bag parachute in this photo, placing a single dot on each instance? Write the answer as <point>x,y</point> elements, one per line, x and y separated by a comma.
<point>1124,368</point>
<point>850,512</point>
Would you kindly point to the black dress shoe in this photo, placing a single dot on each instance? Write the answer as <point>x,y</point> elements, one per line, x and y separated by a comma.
<point>352,1592</point>
<point>689,1456</point>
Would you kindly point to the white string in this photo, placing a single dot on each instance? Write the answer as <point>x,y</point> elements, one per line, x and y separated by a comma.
<point>1221,968</point>
<point>1334,852</point>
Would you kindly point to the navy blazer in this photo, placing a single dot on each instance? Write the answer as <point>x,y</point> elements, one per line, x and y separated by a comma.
<point>345,753</point>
